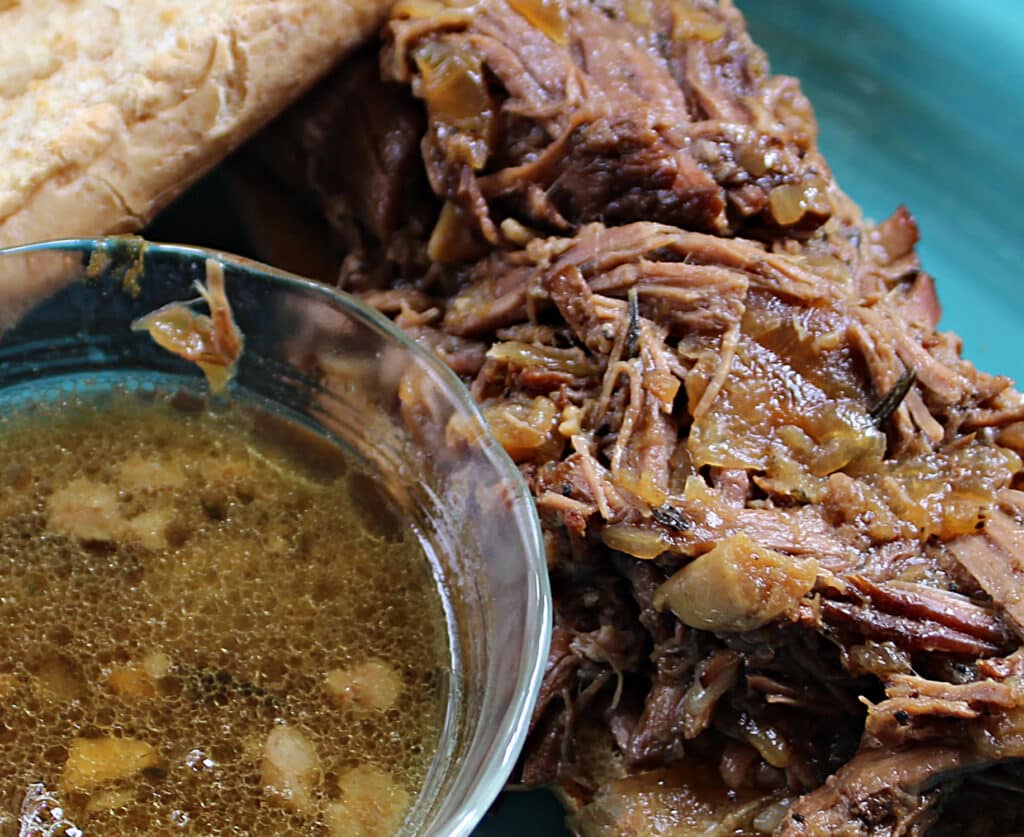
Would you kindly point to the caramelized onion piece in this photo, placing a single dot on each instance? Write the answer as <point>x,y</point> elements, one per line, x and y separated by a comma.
<point>635,540</point>
<point>214,343</point>
<point>453,86</point>
<point>1012,436</point>
<point>949,493</point>
<point>568,361</point>
<point>547,15</point>
<point>715,675</point>
<point>527,430</point>
<point>790,202</point>
<point>737,586</point>
<point>765,402</point>
<point>768,741</point>
<point>452,241</point>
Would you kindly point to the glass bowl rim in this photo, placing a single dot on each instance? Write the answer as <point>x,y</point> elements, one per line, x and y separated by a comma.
<point>510,736</point>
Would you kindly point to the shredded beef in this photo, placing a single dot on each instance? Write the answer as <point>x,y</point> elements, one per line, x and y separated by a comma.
<point>783,517</point>
<point>650,111</point>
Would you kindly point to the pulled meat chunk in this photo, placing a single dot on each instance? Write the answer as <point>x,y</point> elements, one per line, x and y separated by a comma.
<point>654,110</point>
<point>877,792</point>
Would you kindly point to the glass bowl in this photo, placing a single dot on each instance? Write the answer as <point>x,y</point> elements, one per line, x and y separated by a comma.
<point>347,372</point>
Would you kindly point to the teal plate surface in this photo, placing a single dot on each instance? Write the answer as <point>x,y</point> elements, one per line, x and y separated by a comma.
<point>920,102</point>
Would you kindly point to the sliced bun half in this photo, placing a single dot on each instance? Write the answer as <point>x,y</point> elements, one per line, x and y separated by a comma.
<point>110,108</point>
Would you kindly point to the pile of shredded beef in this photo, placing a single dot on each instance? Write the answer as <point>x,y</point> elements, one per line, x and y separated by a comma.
<point>784,518</point>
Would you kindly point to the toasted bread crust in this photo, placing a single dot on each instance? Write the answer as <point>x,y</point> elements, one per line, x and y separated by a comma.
<point>109,110</point>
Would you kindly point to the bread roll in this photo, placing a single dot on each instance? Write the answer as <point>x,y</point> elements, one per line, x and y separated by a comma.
<point>111,108</point>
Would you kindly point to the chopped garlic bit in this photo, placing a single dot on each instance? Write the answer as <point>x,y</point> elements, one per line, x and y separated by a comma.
<point>371,803</point>
<point>93,762</point>
<point>290,770</point>
<point>372,685</point>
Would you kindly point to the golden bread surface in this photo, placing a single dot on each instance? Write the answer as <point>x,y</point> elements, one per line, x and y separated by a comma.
<point>108,110</point>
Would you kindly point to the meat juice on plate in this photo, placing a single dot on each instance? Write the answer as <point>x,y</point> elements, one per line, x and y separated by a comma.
<point>206,627</point>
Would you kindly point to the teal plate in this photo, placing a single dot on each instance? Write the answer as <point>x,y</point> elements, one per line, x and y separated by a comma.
<point>920,102</point>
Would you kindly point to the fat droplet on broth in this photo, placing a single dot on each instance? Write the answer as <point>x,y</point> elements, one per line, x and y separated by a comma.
<point>199,604</point>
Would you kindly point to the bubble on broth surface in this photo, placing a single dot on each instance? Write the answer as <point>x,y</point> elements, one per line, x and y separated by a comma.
<point>198,606</point>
